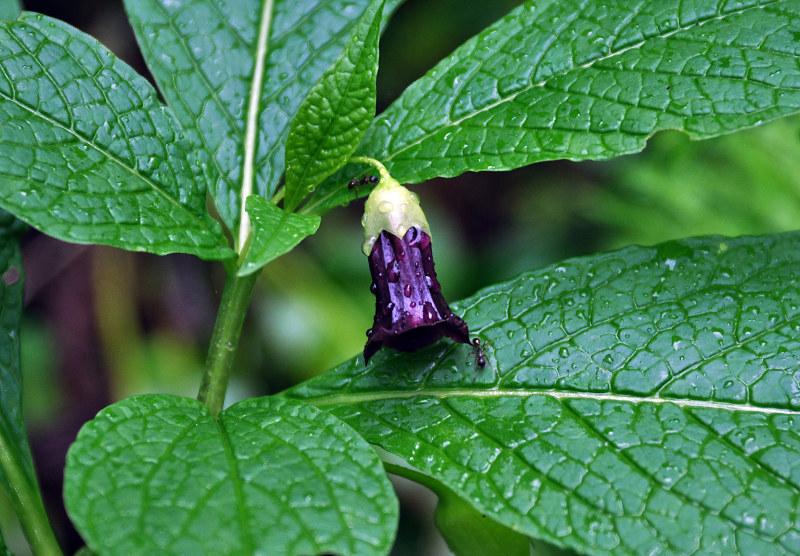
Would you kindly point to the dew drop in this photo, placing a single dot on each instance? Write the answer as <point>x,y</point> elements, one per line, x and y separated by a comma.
<point>393,271</point>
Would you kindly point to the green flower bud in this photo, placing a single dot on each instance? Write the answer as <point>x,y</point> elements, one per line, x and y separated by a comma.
<point>391,208</point>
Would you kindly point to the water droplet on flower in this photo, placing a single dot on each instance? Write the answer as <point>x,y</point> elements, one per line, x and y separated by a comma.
<point>393,271</point>
<point>385,206</point>
<point>407,290</point>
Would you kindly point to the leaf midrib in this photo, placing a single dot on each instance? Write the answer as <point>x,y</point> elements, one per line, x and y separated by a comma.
<point>251,123</point>
<point>442,393</point>
<point>589,64</point>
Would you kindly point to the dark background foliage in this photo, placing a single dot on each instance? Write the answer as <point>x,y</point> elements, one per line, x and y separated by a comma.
<point>102,324</point>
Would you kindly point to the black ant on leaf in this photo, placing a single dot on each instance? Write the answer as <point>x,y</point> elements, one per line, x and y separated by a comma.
<point>480,358</point>
<point>357,183</point>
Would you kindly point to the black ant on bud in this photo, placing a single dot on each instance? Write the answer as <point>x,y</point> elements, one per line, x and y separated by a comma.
<point>356,183</point>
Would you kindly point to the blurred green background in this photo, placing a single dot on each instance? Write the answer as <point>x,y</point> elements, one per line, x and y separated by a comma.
<point>103,324</point>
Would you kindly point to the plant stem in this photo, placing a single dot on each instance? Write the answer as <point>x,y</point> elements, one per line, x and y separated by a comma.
<point>28,504</point>
<point>225,339</point>
<point>378,166</point>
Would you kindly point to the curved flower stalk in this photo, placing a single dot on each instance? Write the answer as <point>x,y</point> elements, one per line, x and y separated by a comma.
<point>410,310</point>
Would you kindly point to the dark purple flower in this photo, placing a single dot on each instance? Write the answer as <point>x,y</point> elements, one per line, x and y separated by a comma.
<point>410,311</point>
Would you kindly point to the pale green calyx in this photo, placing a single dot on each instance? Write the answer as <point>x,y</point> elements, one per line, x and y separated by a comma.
<point>390,207</point>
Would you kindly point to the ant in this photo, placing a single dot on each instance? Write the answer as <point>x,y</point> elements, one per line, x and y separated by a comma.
<point>356,183</point>
<point>480,358</point>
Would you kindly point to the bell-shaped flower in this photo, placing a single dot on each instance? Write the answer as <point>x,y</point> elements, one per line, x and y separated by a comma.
<point>410,311</point>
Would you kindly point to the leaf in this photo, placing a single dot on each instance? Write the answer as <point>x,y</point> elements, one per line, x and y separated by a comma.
<point>333,118</point>
<point>586,80</point>
<point>4,551</point>
<point>470,533</point>
<point>275,232</point>
<point>9,9</point>
<point>89,155</point>
<point>12,428</point>
<point>156,474</point>
<point>208,58</point>
<point>16,463</point>
<point>638,401</point>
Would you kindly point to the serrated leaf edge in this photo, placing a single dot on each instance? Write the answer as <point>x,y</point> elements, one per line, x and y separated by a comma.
<point>455,123</point>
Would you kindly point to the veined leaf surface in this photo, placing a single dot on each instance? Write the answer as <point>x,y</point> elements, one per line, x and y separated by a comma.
<point>235,74</point>
<point>640,400</point>
<point>568,79</point>
<point>157,474</point>
<point>333,118</point>
<point>89,153</point>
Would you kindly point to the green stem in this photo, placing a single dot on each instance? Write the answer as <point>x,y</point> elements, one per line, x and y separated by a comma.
<point>28,504</point>
<point>225,339</point>
<point>378,166</point>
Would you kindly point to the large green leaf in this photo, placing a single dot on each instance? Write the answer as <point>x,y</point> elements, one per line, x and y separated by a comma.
<point>88,153</point>
<point>333,118</point>
<point>235,74</point>
<point>644,400</point>
<point>16,464</point>
<point>567,79</point>
<point>157,474</point>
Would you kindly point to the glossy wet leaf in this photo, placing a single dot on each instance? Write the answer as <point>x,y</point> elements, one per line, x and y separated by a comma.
<point>157,474</point>
<point>275,232</point>
<point>333,118</point>
<point>207,58</point>
<point>590,80</point>
<point>89,154</point>
<point>635,401</point>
